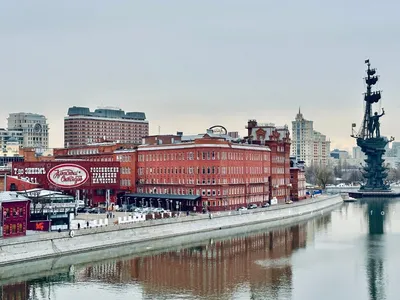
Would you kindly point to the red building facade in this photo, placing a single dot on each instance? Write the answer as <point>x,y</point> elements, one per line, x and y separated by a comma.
<point>297,180</point>
<point>217,173</point>
<point>277,138</point>
<point>224,174</point>
<point>125,154</point>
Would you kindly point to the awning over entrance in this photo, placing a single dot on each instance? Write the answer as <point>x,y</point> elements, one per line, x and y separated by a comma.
<point>166,201</point>
<point>139,196</point>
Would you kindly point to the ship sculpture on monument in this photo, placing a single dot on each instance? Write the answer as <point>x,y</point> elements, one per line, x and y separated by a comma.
<point>371,142</point>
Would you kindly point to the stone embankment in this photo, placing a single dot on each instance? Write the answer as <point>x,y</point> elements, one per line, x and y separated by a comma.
<point>54,244</point>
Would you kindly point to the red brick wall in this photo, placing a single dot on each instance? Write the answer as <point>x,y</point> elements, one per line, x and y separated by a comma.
<point>225,175</point>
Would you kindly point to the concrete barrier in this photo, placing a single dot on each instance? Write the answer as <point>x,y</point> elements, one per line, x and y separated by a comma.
<point>131,219</point>
<point>53,244</point>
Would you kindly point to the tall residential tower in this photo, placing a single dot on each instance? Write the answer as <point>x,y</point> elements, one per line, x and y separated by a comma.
<point>308,145</point>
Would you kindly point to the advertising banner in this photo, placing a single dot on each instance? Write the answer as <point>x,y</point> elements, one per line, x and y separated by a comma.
<point>39,225</point>
<point>70,175</point>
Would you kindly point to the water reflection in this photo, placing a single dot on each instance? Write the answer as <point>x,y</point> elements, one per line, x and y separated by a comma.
<point>256,264</point>
<point>261,265</point>
<point>213,269</point>
<point>378,212</point>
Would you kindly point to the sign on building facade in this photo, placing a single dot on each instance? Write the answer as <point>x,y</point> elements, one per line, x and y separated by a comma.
<point>61,175</point>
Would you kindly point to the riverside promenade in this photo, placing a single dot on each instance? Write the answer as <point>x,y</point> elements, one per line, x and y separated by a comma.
<point>157,233</point>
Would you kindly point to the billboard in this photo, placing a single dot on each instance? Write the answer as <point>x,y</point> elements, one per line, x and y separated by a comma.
<point>39,225</point>
<point>70,175</point>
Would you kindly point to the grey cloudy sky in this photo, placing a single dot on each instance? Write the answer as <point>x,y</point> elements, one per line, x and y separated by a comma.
<point>192,64</point>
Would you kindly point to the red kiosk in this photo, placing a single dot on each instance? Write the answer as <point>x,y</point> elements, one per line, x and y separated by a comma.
<point>14,216</point>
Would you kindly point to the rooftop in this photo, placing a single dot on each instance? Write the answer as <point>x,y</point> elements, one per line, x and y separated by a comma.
<point>106,112</point>
<point>11,196</point>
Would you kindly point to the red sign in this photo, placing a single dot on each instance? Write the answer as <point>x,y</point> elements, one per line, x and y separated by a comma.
<point>70,175</point>
<point>67,175</point>
<point>39,225</point>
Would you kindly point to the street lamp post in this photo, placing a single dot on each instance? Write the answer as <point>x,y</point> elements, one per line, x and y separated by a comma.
<point>172,208</point>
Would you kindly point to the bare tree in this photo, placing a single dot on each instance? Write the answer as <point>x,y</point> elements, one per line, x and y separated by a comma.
<point>324,176</point>
<point>311,173</point>
<point>319,175</point>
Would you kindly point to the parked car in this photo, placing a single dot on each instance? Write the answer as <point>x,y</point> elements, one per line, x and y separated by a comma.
<point>97,210</point>
<point>252,206</point>
<point>266,204</point>
<point>83,210</point>
<point>242,208</point>
<point>289,202</point>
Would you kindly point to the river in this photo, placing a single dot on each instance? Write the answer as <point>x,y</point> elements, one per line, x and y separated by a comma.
<point>350,253</point>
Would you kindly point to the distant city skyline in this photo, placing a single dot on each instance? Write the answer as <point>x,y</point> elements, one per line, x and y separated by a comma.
<point>190,65</point>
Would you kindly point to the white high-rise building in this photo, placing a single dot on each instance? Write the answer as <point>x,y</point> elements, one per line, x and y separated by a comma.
<point>308,145</point>
<point>34,128</point>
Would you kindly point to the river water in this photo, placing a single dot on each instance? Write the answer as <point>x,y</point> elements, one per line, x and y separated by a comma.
<point>351,253</point>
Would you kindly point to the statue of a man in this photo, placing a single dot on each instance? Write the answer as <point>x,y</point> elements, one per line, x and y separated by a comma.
<point>376,124</point>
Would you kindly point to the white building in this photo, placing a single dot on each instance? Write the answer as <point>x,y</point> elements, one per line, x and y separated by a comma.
<point>307,144</point>
<point>34,128</point>
<point>10,135</point>
<point>10,152</point>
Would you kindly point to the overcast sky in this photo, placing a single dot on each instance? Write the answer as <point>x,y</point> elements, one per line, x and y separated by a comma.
<point>193,64</point>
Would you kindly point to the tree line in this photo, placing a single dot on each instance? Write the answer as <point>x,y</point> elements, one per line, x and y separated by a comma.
<point>342,173</point>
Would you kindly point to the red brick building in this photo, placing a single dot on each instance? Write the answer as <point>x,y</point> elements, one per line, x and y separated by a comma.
<point>194,172</point>
<point>277,138</point>
<point>217,174</point>
<point>297,179</point>
<point>125,154</point>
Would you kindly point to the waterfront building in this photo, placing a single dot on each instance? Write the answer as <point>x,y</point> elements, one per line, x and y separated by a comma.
<point>297,180</point>
<point>309,145</point>
<point>277,138</point>
<point>210,170</point>
<point>216,173</point>
<point>33,127</point>
<point>83,127</point>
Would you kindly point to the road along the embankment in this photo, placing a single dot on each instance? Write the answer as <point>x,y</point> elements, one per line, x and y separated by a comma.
<point>155,234</point>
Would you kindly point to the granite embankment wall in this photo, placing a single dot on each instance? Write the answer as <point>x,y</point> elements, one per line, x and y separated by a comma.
<point>47,245</point>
